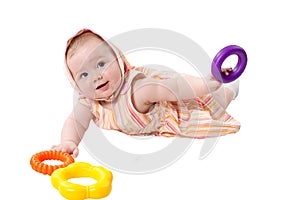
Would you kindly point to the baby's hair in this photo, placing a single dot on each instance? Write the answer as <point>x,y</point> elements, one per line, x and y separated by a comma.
<point>77,39</point>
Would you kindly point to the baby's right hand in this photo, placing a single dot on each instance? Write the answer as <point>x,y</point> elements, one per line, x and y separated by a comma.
<point>68,147</point>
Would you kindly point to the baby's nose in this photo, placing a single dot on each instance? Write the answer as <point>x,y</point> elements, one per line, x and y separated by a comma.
<point>98,77</point>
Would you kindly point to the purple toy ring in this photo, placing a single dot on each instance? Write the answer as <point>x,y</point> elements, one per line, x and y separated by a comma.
<point>236,71</point>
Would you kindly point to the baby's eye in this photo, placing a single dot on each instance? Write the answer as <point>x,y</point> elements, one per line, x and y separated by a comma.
<point>84,75</point>
<point>100,64</point>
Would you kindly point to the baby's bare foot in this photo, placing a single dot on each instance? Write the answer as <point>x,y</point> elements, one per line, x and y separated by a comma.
<point>226,71</point>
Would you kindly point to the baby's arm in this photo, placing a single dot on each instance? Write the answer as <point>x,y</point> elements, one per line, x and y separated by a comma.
<point>74,128</point>
<point>180,87</point>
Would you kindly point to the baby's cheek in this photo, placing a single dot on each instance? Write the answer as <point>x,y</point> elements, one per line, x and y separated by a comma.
<point>86,91</point>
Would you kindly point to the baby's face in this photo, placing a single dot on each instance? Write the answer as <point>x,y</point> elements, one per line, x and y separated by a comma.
<point>95,69</point>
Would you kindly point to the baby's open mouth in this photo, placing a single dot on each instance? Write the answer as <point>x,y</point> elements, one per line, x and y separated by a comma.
<point>102,85</point>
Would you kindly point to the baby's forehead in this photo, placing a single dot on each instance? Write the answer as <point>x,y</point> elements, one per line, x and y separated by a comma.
<point>102,48</point>
<point>97,44</point>
<point>90,51</point>
<point>88,40</point>
<point>92,47</point>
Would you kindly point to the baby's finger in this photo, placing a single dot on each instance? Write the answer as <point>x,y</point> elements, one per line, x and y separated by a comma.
<point>75,153</point>
<point>56,147</point>
<point>63,150</point>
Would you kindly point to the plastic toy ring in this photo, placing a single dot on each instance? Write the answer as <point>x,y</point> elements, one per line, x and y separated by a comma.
<point>37,164</point>
<point>70,190</point>
<point>237,70</point>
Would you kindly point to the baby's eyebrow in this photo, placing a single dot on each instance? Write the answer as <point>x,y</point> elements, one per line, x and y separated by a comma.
<point>95,55</point>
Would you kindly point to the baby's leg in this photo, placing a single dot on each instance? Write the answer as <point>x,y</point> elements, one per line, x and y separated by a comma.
<point>226,93</point>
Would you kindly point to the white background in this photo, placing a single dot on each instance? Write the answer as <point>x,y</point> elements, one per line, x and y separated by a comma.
<point>260,162</point>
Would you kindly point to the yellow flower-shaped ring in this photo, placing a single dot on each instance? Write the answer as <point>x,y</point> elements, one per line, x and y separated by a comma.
<point>73,191</point>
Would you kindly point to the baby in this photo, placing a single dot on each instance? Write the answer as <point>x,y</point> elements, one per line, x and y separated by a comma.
<point>139,101</point>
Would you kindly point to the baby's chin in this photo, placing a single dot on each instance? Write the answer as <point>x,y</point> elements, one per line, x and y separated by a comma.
<point>104,96</point>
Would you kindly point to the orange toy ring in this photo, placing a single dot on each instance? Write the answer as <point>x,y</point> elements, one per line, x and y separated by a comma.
<point>37,164</point>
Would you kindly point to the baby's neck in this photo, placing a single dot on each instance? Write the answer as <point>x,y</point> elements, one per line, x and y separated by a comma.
<point>106,105</point>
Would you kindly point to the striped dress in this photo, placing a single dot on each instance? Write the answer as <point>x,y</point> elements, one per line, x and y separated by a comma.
<point>200,117</point>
